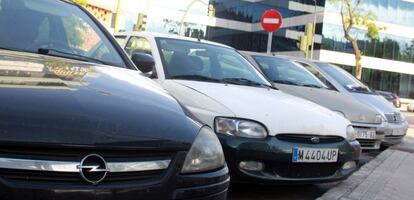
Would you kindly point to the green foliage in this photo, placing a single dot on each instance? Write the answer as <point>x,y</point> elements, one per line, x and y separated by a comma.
<point>360,18</point>
<point>83,3</point>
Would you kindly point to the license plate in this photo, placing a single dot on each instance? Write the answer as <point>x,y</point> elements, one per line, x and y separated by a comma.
<point>365,133</point>
<point>312,155</point>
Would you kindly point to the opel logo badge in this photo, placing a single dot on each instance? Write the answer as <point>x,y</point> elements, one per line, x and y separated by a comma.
<point>315,140</point>
<point>93,168</point>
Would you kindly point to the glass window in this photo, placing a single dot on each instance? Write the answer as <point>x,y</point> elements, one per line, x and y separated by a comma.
<point>121,40</point>
<point>344,78</point>
<point>188,59</point>
<point>138,45</point>
<point>385,46</point>
<point>60,27</point>
<point>317,74</point>
<point>285,71</point>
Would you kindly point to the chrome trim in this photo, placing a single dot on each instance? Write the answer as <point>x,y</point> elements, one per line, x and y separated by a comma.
<point>138,166</point>
<point>38,165</point>
<point>67,166</point>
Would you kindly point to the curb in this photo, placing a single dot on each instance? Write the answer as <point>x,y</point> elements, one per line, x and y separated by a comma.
<point>345,187</point>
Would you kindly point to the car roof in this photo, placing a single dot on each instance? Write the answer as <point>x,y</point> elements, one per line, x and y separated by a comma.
<point>170,36</point>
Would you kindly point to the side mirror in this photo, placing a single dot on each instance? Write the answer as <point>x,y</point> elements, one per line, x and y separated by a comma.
<point>143,61</point>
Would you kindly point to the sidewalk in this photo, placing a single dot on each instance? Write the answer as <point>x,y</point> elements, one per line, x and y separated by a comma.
<point>389,176</point>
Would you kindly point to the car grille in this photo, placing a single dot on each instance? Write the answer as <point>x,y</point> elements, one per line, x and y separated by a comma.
<point>74,178</point>
<point>29,176</point>
<point>393,117</point>
<point>301,138</point>
<point>367,144</point>
<point>305,170</point>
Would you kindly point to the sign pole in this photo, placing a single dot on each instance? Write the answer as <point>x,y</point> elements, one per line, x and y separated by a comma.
<point>269,42</point>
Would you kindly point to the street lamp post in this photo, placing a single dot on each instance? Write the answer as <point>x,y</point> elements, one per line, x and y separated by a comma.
<point>181,32</point>
<point>314,30</point>
<point>117,16</point>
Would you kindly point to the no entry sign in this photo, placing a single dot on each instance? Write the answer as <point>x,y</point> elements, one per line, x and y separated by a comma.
<point>271,20</point>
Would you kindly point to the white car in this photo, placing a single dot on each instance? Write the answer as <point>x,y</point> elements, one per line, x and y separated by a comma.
<point>266,134</point>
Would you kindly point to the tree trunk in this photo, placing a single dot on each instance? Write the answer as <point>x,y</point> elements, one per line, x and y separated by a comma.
<point>358,58</point>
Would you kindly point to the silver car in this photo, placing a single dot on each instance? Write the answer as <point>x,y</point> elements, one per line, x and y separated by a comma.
<point>395,125</point>
<point>292,77</point>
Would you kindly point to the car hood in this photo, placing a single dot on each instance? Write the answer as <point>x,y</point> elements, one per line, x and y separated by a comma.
<point>54,101</point>
<point>375,100</point>
<point>353,110</point>
<point>279,112</point>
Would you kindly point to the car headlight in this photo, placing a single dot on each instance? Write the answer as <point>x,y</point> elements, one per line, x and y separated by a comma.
<point>379,119</point>
<point>205,154</point>
<point>240,127</point>
<point>350,133</point>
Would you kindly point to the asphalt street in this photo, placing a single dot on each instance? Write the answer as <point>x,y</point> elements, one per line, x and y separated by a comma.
<point>294,192</point>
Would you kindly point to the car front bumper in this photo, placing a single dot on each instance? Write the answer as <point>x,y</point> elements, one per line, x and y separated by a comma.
<point>172,185</point>
<point>276,155</point>
<point>394,133</point>
<point>371,144</point>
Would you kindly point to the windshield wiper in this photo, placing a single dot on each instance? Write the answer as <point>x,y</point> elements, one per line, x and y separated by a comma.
<point>47,51</point>
<point>285,82</point>
<point>197,78</point>
<point>244,81</point>
<point>312,86</point>
<point>9,49</point>
<point>360,88</point>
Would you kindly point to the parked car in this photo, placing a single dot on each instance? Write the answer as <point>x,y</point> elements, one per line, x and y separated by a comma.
<point>410,107</point>
<point>268,136</point>
<point>395,125</point>
<point>391,97</point>
<point>78,123</point>
<point>292,78</point>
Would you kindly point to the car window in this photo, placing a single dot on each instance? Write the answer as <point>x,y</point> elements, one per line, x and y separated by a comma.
<point>138,45</point>
<point>317,74</point>
<point>187,58</point>
<point>284,71</point>
<point>230,67</point>
<point>344,78</point>
<point>61,27</point>
<point>121,40</point>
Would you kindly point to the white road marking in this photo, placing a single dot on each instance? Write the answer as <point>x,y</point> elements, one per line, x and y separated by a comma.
<point>271,20</point>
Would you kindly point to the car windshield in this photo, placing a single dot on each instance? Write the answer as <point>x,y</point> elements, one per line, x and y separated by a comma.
<point>55,28</point>
<point>204,62</point>
<point>344,78</point>
<point>284,71</point>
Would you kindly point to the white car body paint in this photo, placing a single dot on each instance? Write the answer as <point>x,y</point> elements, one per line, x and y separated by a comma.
<point>278,111</point>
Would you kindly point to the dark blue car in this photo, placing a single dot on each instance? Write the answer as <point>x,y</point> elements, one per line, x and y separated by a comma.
<point>78,122</point>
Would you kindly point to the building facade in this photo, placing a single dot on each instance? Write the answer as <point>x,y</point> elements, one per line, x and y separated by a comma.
<point>388,61</point>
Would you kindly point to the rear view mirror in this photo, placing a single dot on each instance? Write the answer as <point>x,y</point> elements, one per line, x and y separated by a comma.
<point>143,61</point>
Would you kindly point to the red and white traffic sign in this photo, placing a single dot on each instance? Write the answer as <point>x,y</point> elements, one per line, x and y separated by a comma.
<point>271,20</point>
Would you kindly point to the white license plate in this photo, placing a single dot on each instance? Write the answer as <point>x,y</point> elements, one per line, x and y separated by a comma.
<point>311,155</point>
<point>362,133</point>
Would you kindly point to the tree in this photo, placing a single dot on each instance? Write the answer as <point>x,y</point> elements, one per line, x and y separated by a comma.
<point>83,3</point>
<point>353,17</point>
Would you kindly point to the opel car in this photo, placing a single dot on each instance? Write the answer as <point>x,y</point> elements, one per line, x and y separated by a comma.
<point>268,136</point>
<point>78,122</point>
<point>292,77</point>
